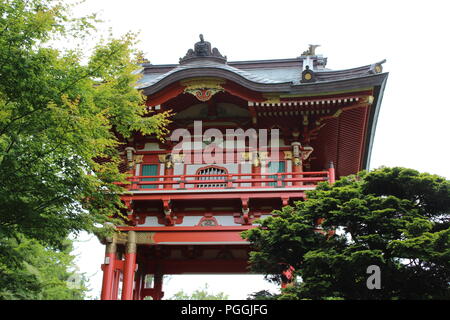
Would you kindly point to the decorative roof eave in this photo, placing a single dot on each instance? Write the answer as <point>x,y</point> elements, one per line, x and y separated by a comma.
<point>339,85</point>
<point>372,122</point>
<point>363,70</point>
<point>215,73</point>
<point>368,80</point>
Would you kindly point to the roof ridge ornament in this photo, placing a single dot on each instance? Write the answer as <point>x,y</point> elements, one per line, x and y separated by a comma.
<point>202,50</point>
<point>311,50</point>
<point>308,75</point>
<point>314,60</point>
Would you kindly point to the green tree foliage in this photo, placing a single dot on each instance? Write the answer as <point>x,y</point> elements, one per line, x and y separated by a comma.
<point>199,294</point>
<point>395,218</point>
<point>57,116</point>
<point>34,272</point>
<point>262,295</point>
<point>61,112</point>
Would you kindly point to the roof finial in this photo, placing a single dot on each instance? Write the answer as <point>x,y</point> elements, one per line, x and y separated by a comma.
<point>311,50</point>
<point>202,49</point>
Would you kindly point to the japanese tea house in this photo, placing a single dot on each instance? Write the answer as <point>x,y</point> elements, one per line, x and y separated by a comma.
<point>186,212</point>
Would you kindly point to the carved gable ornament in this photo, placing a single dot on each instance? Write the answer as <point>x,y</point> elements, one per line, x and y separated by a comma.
<point>203,89</point>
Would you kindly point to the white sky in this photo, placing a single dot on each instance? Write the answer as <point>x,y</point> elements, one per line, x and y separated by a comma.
<point>413,125</point>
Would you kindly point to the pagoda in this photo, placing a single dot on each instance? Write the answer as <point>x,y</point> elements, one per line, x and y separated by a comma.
<point>246,138</point>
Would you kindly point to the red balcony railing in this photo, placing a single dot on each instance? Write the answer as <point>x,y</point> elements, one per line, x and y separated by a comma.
<point>230,181</point>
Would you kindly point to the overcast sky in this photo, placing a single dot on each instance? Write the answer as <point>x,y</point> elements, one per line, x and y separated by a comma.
<point>413,36</point>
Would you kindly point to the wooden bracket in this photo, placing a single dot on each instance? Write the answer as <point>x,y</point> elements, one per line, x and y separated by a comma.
<point>130,212</point>
<point>244,217</point>
<point>140,219</point>
<point>129,205</point>
<point>169,219</point>
<point>245,211</point>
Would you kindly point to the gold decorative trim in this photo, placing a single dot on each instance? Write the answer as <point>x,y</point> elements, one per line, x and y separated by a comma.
<point>131,242</point>
<point>121,238</point>
<point>203,94</point>
<point>263,155</point>
<point>111,246</point>
<point>162,158</point>
<point>271,98</point>
<point>306,152</point>
<point>338,113</point>
<point>178,158</point>
<point>246,156</point>
<point>139,158</point>
<point>145,237</point>
<point>287,155</point>
<point>298,162</point>
<point>203,88</point>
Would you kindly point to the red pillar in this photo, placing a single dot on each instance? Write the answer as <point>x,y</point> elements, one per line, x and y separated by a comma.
<point>158,294</point>
<point>129,267</point>
<point>331,173</point>
<point>295,169</point>
<point>289,275</point>
<point>168,171</point>
<point>296,162</point>
<point>256,168</point>
<point>108,270</point>
<point>115,291</point>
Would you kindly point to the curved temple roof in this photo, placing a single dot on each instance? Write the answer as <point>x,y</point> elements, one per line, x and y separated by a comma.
<point>280,75</point>
<point>288,79</point>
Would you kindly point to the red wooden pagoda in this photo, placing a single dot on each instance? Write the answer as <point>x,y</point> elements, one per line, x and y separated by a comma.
<point>192,195</point>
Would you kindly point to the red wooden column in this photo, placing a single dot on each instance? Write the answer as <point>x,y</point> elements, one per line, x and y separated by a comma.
<point>256,168</point>
<point>331,173</point>
<point>129,267</point>
<point>168,171</point>
<point>296,162</point>
<point>331,180</point>
<point>289,275</point>
<point>108,270</point>
<point>117,275</point>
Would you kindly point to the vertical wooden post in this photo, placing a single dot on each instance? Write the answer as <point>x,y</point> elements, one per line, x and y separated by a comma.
<point>289,275</point>
<point>108,270</point>
<point>296,162</point>
<point>182,182</point>
<point>134,183</point>
<point>279,179</point>
<point>137,286</point>
<point>116,281</point>
<point>158,282</point>
<point>256,168</point>
<point>142,285</point>
<point>229,181</point>
<point>168,171</point>
<point>296,169</point>
<point>129,267</point>
<point>331,173</point>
